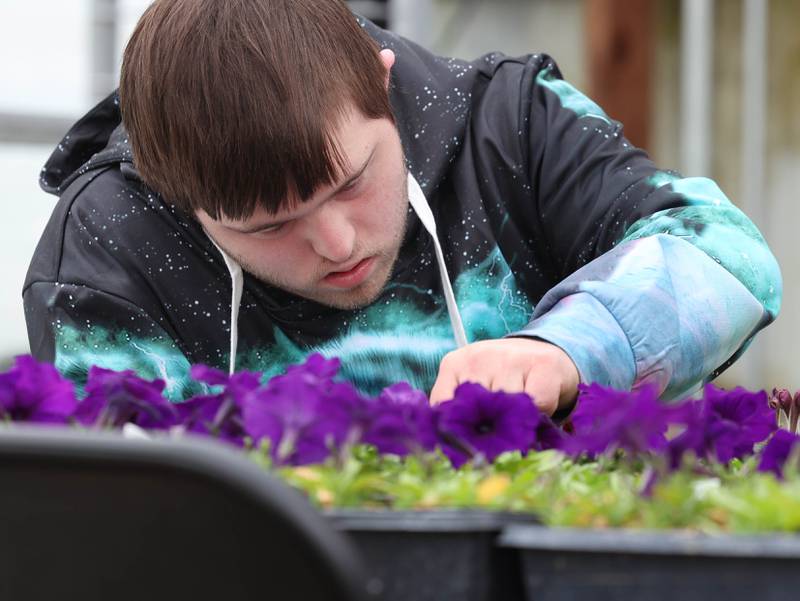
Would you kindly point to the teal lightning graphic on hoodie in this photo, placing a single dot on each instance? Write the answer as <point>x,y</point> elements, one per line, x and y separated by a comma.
<point>397,341</point>
<point>393,342</point>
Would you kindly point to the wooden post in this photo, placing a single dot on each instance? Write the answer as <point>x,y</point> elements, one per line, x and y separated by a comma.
<point>620,48</point>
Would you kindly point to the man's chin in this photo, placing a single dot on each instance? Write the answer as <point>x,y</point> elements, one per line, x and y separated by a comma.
<point>357,298</point>
<point>348,304</point>
<point>347,300</point>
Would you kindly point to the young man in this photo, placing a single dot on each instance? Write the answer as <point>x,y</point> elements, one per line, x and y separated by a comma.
<point>283,178</point>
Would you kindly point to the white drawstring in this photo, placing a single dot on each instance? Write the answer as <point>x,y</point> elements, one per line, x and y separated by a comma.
<point>419,203</point>
<point>237,282</point>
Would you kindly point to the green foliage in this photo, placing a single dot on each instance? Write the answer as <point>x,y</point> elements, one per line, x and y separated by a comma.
<point>611,492</point>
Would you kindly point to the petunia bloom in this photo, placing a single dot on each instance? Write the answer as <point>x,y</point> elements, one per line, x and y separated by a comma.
<point>744,419</point>
<point>35,392</point>
<point>606,419</point>
<point>777,451</point>
<point>215,415</point>
<point>218,415</point>
<point>724,424</point>
<point>303,413</point>
<point>401,421</point>
<point>479,421</point>
<point>114,398</point>
<point>548,435</point>
<point>316,367</point>
<point>693,416</point>
<point>209,375</point>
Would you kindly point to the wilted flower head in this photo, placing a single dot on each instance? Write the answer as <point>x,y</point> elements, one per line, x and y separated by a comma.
<point>35,392</point>
<point>401,421</point>
<point>480,421</point>
<point>606,419</point>
<point>777,451</point>
<point>781,399</point>
<point>114,398</point>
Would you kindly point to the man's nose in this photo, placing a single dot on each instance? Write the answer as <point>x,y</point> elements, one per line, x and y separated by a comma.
<point>331,234</point>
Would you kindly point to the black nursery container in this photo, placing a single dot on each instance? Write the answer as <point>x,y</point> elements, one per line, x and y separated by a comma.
<point>436,555</point>
<point>560,564</point>
<point>94,516</point>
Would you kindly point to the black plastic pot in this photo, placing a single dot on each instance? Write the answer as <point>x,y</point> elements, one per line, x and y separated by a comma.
<point>436,555</point>
<point>94,516</point>
<point>560,564</point>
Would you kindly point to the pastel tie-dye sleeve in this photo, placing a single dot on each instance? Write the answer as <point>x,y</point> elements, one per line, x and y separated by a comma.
<point>662,279</point>
<point>656,309</point>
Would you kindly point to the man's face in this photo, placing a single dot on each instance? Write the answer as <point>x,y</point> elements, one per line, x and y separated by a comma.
<point>337,248</point>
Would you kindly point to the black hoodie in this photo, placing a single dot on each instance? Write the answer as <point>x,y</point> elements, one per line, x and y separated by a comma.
<point>550,223</point>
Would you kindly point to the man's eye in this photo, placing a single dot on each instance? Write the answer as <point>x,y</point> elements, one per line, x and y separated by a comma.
<point>350,185</point>
<point>272,229</point>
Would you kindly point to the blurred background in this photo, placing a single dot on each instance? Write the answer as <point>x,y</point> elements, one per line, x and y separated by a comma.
<point>707,87</point>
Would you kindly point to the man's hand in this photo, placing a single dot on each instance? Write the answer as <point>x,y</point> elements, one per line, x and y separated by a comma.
<point>538,368</point>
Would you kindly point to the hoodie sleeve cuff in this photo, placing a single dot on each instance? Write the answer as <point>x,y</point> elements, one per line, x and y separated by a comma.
<point>583,328</point>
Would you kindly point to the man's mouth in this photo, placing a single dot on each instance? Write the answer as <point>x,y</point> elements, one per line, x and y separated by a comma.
<point>350,278</point>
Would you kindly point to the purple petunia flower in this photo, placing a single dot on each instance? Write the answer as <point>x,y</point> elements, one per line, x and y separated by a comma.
<point>724,424</point>
<point>693,416</point>
<point>114,398</point>
<point>479,421</point>
<point>317,367</point>
<point>606,419</point>
<point>35,392</point>
<point>303,413</point>
<point>742,418</point>
<point>210,375</point>
<point>201,414</point>
<point>777,451</point>
<point>548,435</point>
<point>218,415</point>
<point>212,415</point>
<point>401,421</point>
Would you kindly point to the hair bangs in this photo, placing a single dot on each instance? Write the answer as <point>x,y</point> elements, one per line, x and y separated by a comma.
<point>234,106</point>
<point>275,158</point>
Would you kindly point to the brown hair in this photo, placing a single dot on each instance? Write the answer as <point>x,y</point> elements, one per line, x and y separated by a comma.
<point>233,104</point>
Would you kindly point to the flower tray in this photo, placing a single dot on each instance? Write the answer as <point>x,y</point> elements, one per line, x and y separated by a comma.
<point>560,564</point>
<point>436,555</point>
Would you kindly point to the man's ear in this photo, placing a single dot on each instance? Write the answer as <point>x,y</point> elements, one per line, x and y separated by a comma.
<point>387,58</point>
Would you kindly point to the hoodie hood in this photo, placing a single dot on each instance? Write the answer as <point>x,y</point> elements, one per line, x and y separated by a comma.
<point>96,140</point>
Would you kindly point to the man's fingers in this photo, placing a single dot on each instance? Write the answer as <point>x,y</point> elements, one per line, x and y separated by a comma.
<point>448,381</point>
<point>540,369</point>
<point>508,382</point>
<point>545,395</point>
<point>444,387</point>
